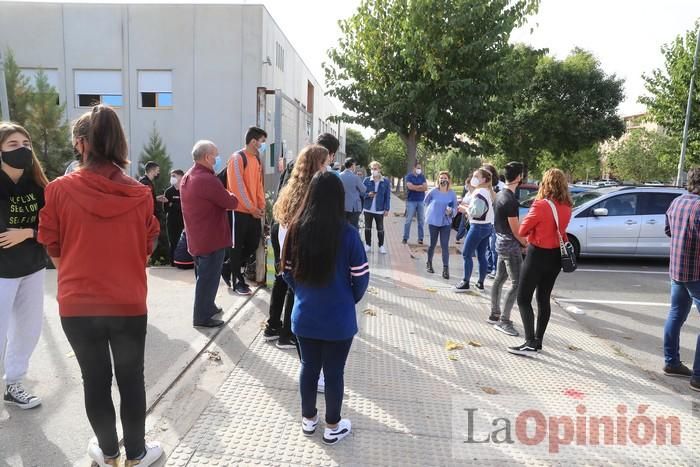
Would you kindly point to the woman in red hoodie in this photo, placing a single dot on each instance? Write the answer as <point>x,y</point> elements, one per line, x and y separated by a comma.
<point>94,217</point>
<point>543,262</point>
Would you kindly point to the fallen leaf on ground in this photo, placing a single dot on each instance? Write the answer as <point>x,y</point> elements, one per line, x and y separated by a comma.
<point>627,338</point>
<point>213,355</point>
<point>430,289</point>
<point>474,343</point>
<point>452,345</point>
<point>370,312</point>
<point>452,357</point>
<point>574,348</point>
<point>373,291</point>
<point>489,390</point>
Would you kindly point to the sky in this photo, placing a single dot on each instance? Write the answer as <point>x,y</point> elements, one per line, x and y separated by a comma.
<point>625,35</point>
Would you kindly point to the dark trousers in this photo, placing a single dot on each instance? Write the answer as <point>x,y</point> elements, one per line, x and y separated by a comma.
<point>379,219</point>
<point>443,234</point>
<point>331,356</point>
<point>247,232</point>
<point>207,270</point>
<point>175,227</point>
<point>92,338</point>
<point>353,218</point>
<point>539,272</point>
<point>282,297</point>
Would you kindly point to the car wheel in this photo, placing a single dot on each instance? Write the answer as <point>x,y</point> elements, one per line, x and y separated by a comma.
<point>577,246</point>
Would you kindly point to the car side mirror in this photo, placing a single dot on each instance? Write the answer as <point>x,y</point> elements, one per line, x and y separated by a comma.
<point>600,212</point>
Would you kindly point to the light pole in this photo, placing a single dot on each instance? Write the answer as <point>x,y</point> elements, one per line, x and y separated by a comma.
<point>3,92</point>
<point>684,147</point>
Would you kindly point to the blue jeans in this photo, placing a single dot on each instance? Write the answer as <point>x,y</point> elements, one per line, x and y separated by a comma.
<point>414,208</point>
<point>492,255</point>
<point>443,233</point>
<point>331,356</point>
<point>683,294</point>
<point>207,271</point>
<point>477,241</point>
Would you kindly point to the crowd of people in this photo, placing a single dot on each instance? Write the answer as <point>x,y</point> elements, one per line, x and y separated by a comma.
<point>217,212</point>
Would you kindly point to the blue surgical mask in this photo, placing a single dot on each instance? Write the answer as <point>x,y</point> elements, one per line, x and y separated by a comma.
<point>262,147</point>
<point>218,165</point>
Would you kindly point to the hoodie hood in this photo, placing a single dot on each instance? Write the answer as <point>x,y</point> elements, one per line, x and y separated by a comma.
<point>106,193</point>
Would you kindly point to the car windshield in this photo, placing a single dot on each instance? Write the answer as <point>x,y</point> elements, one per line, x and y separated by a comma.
<point>578,198</point>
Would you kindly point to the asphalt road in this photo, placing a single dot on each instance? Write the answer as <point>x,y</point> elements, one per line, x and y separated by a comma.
<point>626,302</point>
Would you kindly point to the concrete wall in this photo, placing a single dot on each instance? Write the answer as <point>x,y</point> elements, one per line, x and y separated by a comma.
<point>215,52</point>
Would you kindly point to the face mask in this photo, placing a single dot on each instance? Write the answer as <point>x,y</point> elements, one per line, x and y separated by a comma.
<point>173,181</point>
<point>20,158</point>
<point>262,148</point>
<point>443,182</point>
<point>375,173</point>
<point>329,168</point>
<point>156,176</point>
<point>419,171</point>
<point>475,182</point>
<point>217,164</point>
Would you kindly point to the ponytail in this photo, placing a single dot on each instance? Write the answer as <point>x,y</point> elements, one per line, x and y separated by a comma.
<point>105,136</point>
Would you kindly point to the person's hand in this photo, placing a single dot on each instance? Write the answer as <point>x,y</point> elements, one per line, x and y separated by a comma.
<point>14,237</point>
<point>259,214</point>
<point>463,208</point>
<point>161,199</point>
<point>386,213</point>
<point>372,194</point>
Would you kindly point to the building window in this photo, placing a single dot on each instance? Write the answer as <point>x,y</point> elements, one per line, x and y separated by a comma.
<point>94,87</point>
<point>279,56</point>
<point>156,89</point>
<point>30,74</point>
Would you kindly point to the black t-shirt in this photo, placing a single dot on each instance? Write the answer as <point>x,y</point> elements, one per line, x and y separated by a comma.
<point>505,206</point>
<point>149,183</point>
<point>20,204</point>
<point>173,208</point>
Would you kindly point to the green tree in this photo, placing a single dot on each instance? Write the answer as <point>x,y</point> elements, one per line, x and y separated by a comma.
<point>459,163</point>
<point>644,156</point>
<point>568,106</point>
<point>19,90</point>
<point>357,147</point>
<point>424,68</point>
<point>155,150</point>
<point>668,92</point>
<point>46,123</point>
<point>580,165</point>
<point>389,151</point>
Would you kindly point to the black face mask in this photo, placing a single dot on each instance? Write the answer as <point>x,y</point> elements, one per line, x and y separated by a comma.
<point>20,158</point>
<point>443,182</point>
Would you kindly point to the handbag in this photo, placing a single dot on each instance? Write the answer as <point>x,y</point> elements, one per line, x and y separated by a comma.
<point>568,256</point>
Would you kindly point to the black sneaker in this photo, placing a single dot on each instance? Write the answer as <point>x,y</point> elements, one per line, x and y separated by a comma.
<point>420,242</point>
<point>680,371</point>
<point>446,273</point>
<point>404,241</point>
<point>242,288</point>
<point>695,384</point>
<point>462,287</point>
<point>287,343</point>
<point>270,334</point>
<point>493,319</point>
<point>479,285</point>
<point>429,267</point>
<point>526,349</point>
<point>15,394</point>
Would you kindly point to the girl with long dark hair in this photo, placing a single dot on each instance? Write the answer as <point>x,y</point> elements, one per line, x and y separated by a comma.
<point>326,265</point>
<point>22,259</point>
<point>99,216</point>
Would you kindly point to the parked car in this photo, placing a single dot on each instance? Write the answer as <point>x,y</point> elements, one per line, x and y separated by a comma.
<point>525,190</point>
<point>527,202</point>
<point>622,221</point>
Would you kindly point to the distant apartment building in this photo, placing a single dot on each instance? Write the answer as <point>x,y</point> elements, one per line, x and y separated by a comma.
<point>192,71</point>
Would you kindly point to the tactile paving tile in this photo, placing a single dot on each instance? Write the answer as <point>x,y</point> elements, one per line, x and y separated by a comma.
<point>400,383</point>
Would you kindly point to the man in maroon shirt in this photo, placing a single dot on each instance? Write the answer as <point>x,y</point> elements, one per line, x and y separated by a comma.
<point>204,204</point>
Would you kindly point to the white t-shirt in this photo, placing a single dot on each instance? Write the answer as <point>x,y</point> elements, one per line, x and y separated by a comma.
<point>281,235</point>
<point>486,194</point>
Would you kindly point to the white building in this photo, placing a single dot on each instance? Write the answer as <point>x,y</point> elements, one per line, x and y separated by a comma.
<point>193,71</point>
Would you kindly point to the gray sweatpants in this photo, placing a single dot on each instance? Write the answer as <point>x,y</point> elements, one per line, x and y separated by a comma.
<point>508,267</point>
<point>21,316</point>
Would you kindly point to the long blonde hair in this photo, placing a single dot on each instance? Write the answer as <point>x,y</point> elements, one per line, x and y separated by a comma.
<point>307,164</point>
<point>6,130</point>
<point>555,186</point>
<point>488,179</point>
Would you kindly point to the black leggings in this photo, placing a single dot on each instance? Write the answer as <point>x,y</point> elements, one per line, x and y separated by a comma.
<point>539,271</point>
<point>379,219</point>
<point>92,338</point>
<point>248,231</point>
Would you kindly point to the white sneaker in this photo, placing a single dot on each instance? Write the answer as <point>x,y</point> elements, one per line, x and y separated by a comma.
<point>382,250</point>
<point>308,426</point>
<point>333,435</point>
<point>153,452</point>
<point>368,248</point>
<point>15,394</point>
<point>321,383</point>
<point>98,456</point>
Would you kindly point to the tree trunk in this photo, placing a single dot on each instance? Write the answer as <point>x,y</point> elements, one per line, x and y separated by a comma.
<point>411,142</point>
<point>526,172</point>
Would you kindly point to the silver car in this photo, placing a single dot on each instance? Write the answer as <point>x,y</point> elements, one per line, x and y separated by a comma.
<point>621,221</point>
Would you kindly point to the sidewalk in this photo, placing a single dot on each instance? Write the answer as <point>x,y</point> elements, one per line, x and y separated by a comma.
<point>405,392</point>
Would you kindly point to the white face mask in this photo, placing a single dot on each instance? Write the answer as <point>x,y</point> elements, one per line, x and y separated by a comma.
<point>375,173</point>
<point>173,181</point>
<point>475,182</point>
<point>419,171</point>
